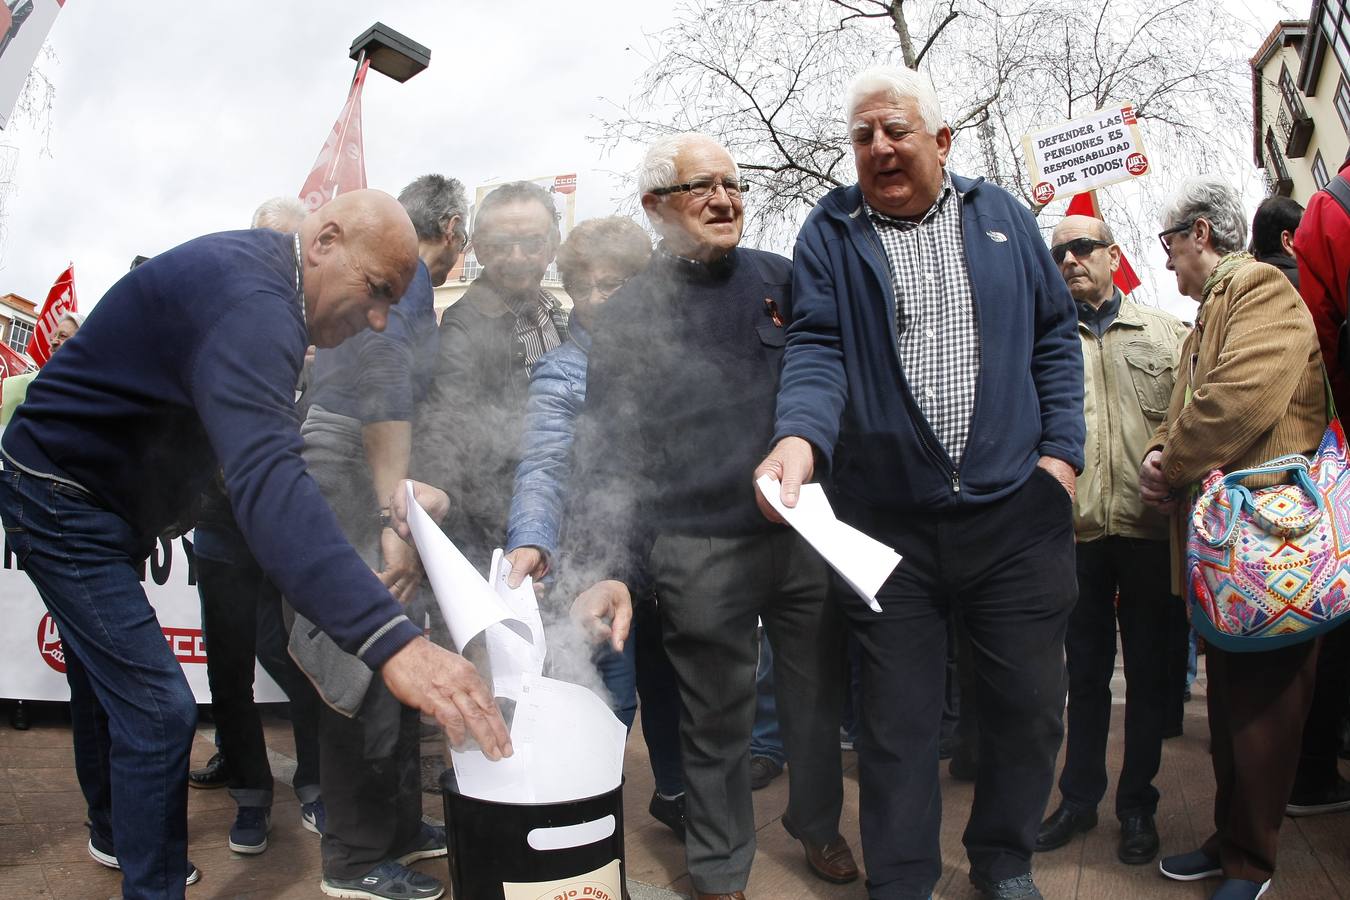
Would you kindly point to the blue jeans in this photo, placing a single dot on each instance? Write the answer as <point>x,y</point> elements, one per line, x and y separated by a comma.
<point>765,738</point>
<point>619,674</point>
<point>132,709</point>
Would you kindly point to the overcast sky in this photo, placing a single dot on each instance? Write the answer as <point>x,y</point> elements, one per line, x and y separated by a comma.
<point>173,120</point>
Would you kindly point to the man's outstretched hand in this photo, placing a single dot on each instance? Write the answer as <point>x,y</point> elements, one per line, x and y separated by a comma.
<point>446,685</point>
<point>793,462</point>
<point>605,612</point>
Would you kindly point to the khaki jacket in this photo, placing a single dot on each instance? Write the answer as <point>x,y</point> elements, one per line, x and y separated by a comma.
<point>1128,374</point>
<point>1255,373</point>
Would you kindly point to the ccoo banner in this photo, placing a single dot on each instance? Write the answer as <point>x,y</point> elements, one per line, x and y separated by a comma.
<point>1085,153</point>
<point>32,660</point>
<point>23,27</point>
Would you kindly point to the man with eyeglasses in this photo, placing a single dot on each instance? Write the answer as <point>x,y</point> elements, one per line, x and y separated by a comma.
<point>679,406</point>
<point>1129,363</point>
<point>469,427</point>
<point>933,372</point>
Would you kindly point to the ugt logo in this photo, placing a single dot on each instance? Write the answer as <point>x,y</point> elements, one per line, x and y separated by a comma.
<point>49,644</point>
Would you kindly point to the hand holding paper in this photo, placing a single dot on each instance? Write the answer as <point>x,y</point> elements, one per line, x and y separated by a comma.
<point>861,561</point>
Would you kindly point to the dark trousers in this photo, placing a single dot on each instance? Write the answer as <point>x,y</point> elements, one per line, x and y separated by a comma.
<point>372,787</point>
<point>710,592</point>
<point>659,694</point>
<point>1257,705</point>
<point>1141,571</point>
<point>1317,762</point>
<point>1007,569</point>
<point>241,619</point>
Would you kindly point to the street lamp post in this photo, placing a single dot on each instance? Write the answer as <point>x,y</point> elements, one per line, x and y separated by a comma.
<point>390,53</point>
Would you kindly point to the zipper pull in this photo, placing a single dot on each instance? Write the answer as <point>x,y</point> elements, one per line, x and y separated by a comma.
<point>956,483</point>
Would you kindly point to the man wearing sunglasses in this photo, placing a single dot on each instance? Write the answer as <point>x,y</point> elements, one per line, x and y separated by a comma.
<point>470,423</point>
<point>1129,365</point>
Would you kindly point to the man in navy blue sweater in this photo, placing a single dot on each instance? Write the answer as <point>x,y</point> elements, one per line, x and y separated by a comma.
<point>189,362</point>
<point>680,394</point>
<point>933,367</point>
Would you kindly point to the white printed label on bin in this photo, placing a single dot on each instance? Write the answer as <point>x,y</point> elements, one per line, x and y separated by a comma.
<point>605,883</point>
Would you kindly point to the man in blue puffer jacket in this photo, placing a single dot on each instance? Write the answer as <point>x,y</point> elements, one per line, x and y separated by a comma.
<point>933,368</point>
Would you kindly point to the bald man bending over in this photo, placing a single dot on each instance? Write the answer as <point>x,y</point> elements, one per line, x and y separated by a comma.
<point>188,362</point>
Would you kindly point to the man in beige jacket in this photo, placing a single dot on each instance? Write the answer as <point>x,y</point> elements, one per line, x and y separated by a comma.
<point>1129,359</point>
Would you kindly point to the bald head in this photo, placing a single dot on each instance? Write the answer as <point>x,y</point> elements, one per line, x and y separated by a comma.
<point>359,255</point>
<point>1087,256</point>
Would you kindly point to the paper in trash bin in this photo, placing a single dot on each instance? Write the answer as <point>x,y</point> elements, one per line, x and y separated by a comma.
<point>568,746</point>
<point>509,655</point>
<point>860,560</point>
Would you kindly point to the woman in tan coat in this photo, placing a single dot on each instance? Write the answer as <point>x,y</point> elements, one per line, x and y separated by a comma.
<point>1249,389</point>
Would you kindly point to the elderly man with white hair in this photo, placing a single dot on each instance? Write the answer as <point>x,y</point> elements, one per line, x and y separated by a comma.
<point>679,406</point>
<point>933,369</point>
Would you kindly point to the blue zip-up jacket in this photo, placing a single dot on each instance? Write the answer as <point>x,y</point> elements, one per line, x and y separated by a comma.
<point>843,388</point>
<point>189,362</point>
<point>557,394</point>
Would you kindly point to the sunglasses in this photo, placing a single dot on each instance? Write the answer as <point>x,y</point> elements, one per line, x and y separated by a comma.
<point>1079,247</point>
<point>1175,229</point>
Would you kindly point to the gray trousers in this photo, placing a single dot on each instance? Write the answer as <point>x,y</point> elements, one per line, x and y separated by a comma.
<point>711,590</point>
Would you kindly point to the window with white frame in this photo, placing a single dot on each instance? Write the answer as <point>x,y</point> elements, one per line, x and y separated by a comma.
<point>20,332</point>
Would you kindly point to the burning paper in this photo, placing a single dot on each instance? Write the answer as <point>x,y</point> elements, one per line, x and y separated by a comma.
<point>863,562</point>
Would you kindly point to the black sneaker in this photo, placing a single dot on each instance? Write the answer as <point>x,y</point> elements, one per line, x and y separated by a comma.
<point>248,834</point>
<point>1192,866</point>
<point>387,881</point>
<point>430,844</point>
<point>669,812</point>
<point>763,771</point>
<point>1019,887</point>
<point>215,774</point>
<point>102,852</point>
<point>1334,799</point>
<point>1237,889</point>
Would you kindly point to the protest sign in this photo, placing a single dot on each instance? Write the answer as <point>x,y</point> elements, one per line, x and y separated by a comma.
<point>1085,153</point>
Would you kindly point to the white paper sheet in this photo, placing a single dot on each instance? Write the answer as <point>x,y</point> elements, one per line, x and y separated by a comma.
<point>509,655</point>
<point>860,560</point>
<point>568,745</point>
<point>468,604</point>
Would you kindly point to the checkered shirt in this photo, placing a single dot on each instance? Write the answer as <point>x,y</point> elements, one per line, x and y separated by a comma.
<point>935,314</point>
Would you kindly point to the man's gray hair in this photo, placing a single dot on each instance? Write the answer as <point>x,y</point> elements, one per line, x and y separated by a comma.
<point>899,84</point>
<point>1211,198</point>
<point>280,214</point>
<point>431,202</point>
<point>658,168</point>
<point>518,192</point>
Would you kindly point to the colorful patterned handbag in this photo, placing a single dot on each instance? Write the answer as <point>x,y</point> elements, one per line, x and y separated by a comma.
<point>1270,567</point>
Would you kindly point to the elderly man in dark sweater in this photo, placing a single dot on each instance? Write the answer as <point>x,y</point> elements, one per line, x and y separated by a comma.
<point>189,362</point>
<point>679,407</point>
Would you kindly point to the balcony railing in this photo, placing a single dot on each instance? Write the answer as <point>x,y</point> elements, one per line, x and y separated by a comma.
<point>1278,178</point>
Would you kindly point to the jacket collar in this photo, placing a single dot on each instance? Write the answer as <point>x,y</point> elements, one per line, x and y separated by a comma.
<point>847,202</point>
<point>487,300</point>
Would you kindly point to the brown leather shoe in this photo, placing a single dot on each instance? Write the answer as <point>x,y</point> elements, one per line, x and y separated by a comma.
<point>833,862</point>
<point>739,895</point>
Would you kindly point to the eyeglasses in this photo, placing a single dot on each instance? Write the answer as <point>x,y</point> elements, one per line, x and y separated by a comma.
<point>1079,247</point>
<point>530,246</point>
<point>1175,229</point>
<point>700,188</point>
<point>584,289</point>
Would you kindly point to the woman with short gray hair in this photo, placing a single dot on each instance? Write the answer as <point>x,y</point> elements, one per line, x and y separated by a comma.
<point>1250,390</point>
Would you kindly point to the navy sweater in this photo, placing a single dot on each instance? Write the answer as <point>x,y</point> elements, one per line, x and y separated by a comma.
<point>190,359</point>
<point>844,389</point>
<point>679,406</point>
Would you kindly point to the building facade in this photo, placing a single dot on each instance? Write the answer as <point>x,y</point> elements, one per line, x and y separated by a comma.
<point>18,319</point>
<point>1301,101</point>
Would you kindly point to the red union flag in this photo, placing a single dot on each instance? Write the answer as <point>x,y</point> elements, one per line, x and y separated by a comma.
<point>12,363</point>
<point>60,300</point>
<point>1085,204</point>
<point>341,165</point>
